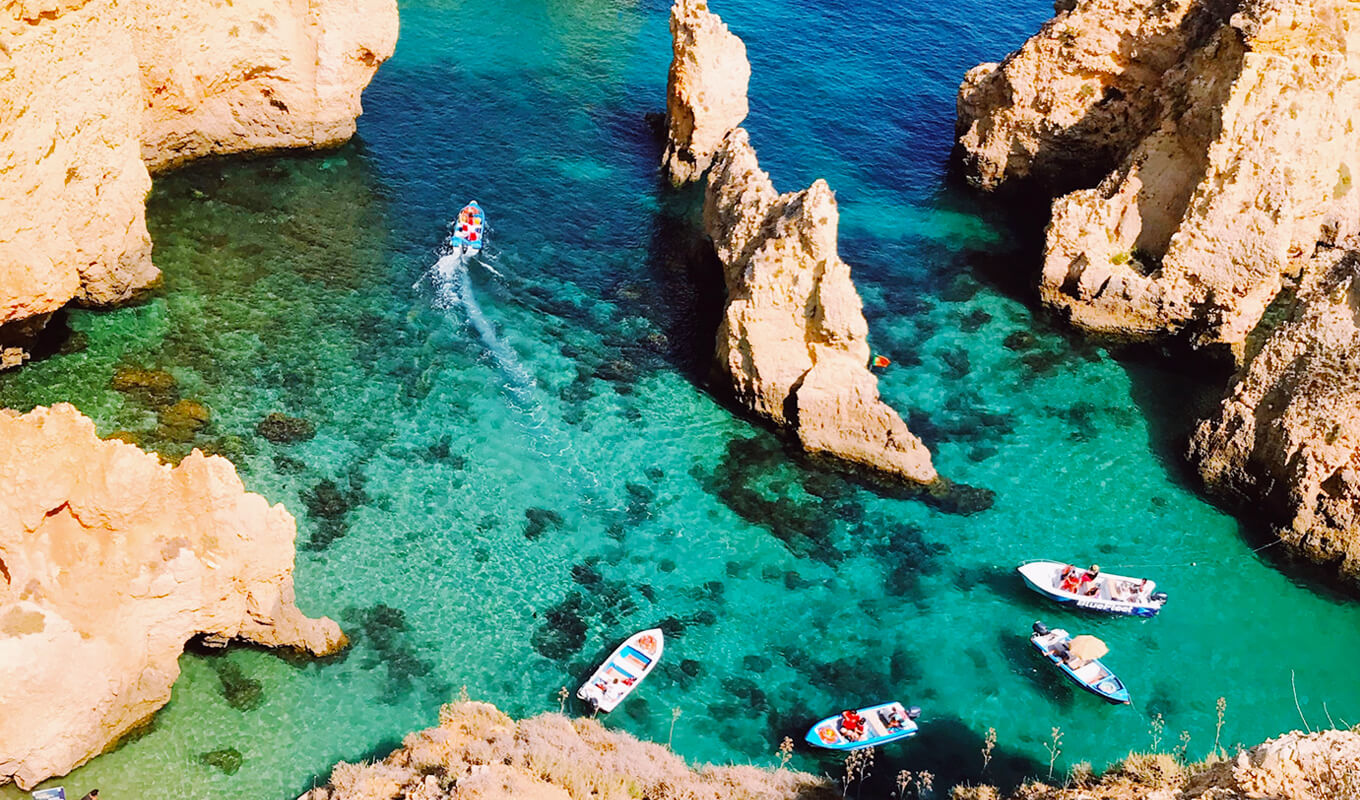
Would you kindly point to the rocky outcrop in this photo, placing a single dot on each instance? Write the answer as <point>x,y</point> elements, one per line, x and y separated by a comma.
<point>478,753</point>
<point>793,339</point>
<point>1230,147</point>
<point>110,561</point>
<point>1296,766</point>
<point>706,91</point>
<point>1288,431</point>
<point>95,92</point>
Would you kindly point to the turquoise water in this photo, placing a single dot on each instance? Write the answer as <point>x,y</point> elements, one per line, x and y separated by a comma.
<point>514,469</point>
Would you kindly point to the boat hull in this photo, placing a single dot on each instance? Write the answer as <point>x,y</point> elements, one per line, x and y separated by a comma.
<point>1039,575</point>
<point>826,733</point>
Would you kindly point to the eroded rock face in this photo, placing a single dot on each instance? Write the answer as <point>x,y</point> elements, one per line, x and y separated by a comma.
<point>706,90</point>
<point>793,339</point>
<point>1238,163</point>
<point>478,753</point>
<point>93,92</point>
<point>109,563</point>
<point>1289,430</point>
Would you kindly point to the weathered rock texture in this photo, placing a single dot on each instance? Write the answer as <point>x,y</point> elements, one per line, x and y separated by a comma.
<point>706,91</point>
<point>1296,766</point>
<point>109,563</point>
<point>478,753</point>
<point>1289,430</point>
<point>793,337</point>
<point>1230,141</point>
<point>95,92</point>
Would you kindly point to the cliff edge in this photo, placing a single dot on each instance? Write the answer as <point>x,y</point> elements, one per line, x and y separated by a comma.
<point>1297,766</point>
<point>109,563</point>
<point>478,753</point>
<point>96,94</point>
<point>1205,155</point>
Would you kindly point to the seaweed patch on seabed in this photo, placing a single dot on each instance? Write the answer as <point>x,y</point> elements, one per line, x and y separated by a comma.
<point>904,554</point>
<point>329,505</point>
<point>561,633</point>
<point>805,528</point>
<point>384,630</point>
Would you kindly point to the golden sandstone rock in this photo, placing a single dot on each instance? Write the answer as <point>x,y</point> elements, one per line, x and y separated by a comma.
<point>1225,132</point>
<point>109,563</point>
<point>93,93</point>
<point>706,91</point>
<point>793,339</point>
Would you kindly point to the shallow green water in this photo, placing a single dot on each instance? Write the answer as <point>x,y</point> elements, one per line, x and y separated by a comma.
<point>495,496</point>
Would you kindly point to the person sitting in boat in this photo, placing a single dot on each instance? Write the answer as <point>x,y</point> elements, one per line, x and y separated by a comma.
<point>1138,591</point>
<point>894,719</point>
<point>1090,586</point>
<point>852,725</point>
<point>1070,579</point>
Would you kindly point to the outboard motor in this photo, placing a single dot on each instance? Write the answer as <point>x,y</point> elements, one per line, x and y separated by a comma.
<point>1158,597</point>
<point>913,712</point>
<point>1040,628</point>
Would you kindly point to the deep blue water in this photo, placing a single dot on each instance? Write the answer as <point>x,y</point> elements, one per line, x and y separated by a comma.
<point>514,469</point>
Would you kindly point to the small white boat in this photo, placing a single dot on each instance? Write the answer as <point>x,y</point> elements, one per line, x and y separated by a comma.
<point>1113,594</point>
<point>625,668</point>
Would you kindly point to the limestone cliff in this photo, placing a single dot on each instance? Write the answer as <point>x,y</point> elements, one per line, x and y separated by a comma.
<point>109,563</point>
<point>1288,431</point>
<point>1229,149</point>
<point>1296,766</point>
<point>95,92</point>
<point>793,339</point>
<point>706,90</point>
<point>478,753</point>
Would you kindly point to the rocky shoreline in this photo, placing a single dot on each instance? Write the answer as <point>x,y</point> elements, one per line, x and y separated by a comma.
<point>102,93</point>
<point>110,562</point>
<point>1226,219</point>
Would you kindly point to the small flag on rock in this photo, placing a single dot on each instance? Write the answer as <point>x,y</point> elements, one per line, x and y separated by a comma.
<point>880,361</point>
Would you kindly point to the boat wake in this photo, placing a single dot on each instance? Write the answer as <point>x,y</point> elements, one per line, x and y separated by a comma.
<point>453,287</point>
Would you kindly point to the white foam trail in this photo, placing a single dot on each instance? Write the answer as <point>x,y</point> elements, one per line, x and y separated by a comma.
<point>453,285</point>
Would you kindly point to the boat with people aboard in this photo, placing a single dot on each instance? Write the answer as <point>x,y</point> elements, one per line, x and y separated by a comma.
<point>625,668</point>
<point>1092,589</point>
<point>1079,659</point>
<point>865,727</point>
<point>469,229</point>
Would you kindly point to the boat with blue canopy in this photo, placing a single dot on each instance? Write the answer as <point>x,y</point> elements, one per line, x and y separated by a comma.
<point>1093,590</point>
<point>865,727</point>
<point>1079,659</point>
<point>625,668</point>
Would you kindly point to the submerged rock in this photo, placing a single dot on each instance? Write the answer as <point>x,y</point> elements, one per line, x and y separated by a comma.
<point>280,428</point>
<point>478,752</point>
<point>1288,431</point>
<point>706,90</point>
<point>109,563</point>
<point>1228,146</point>
<point>793,339</point>
<point>98,92</point>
